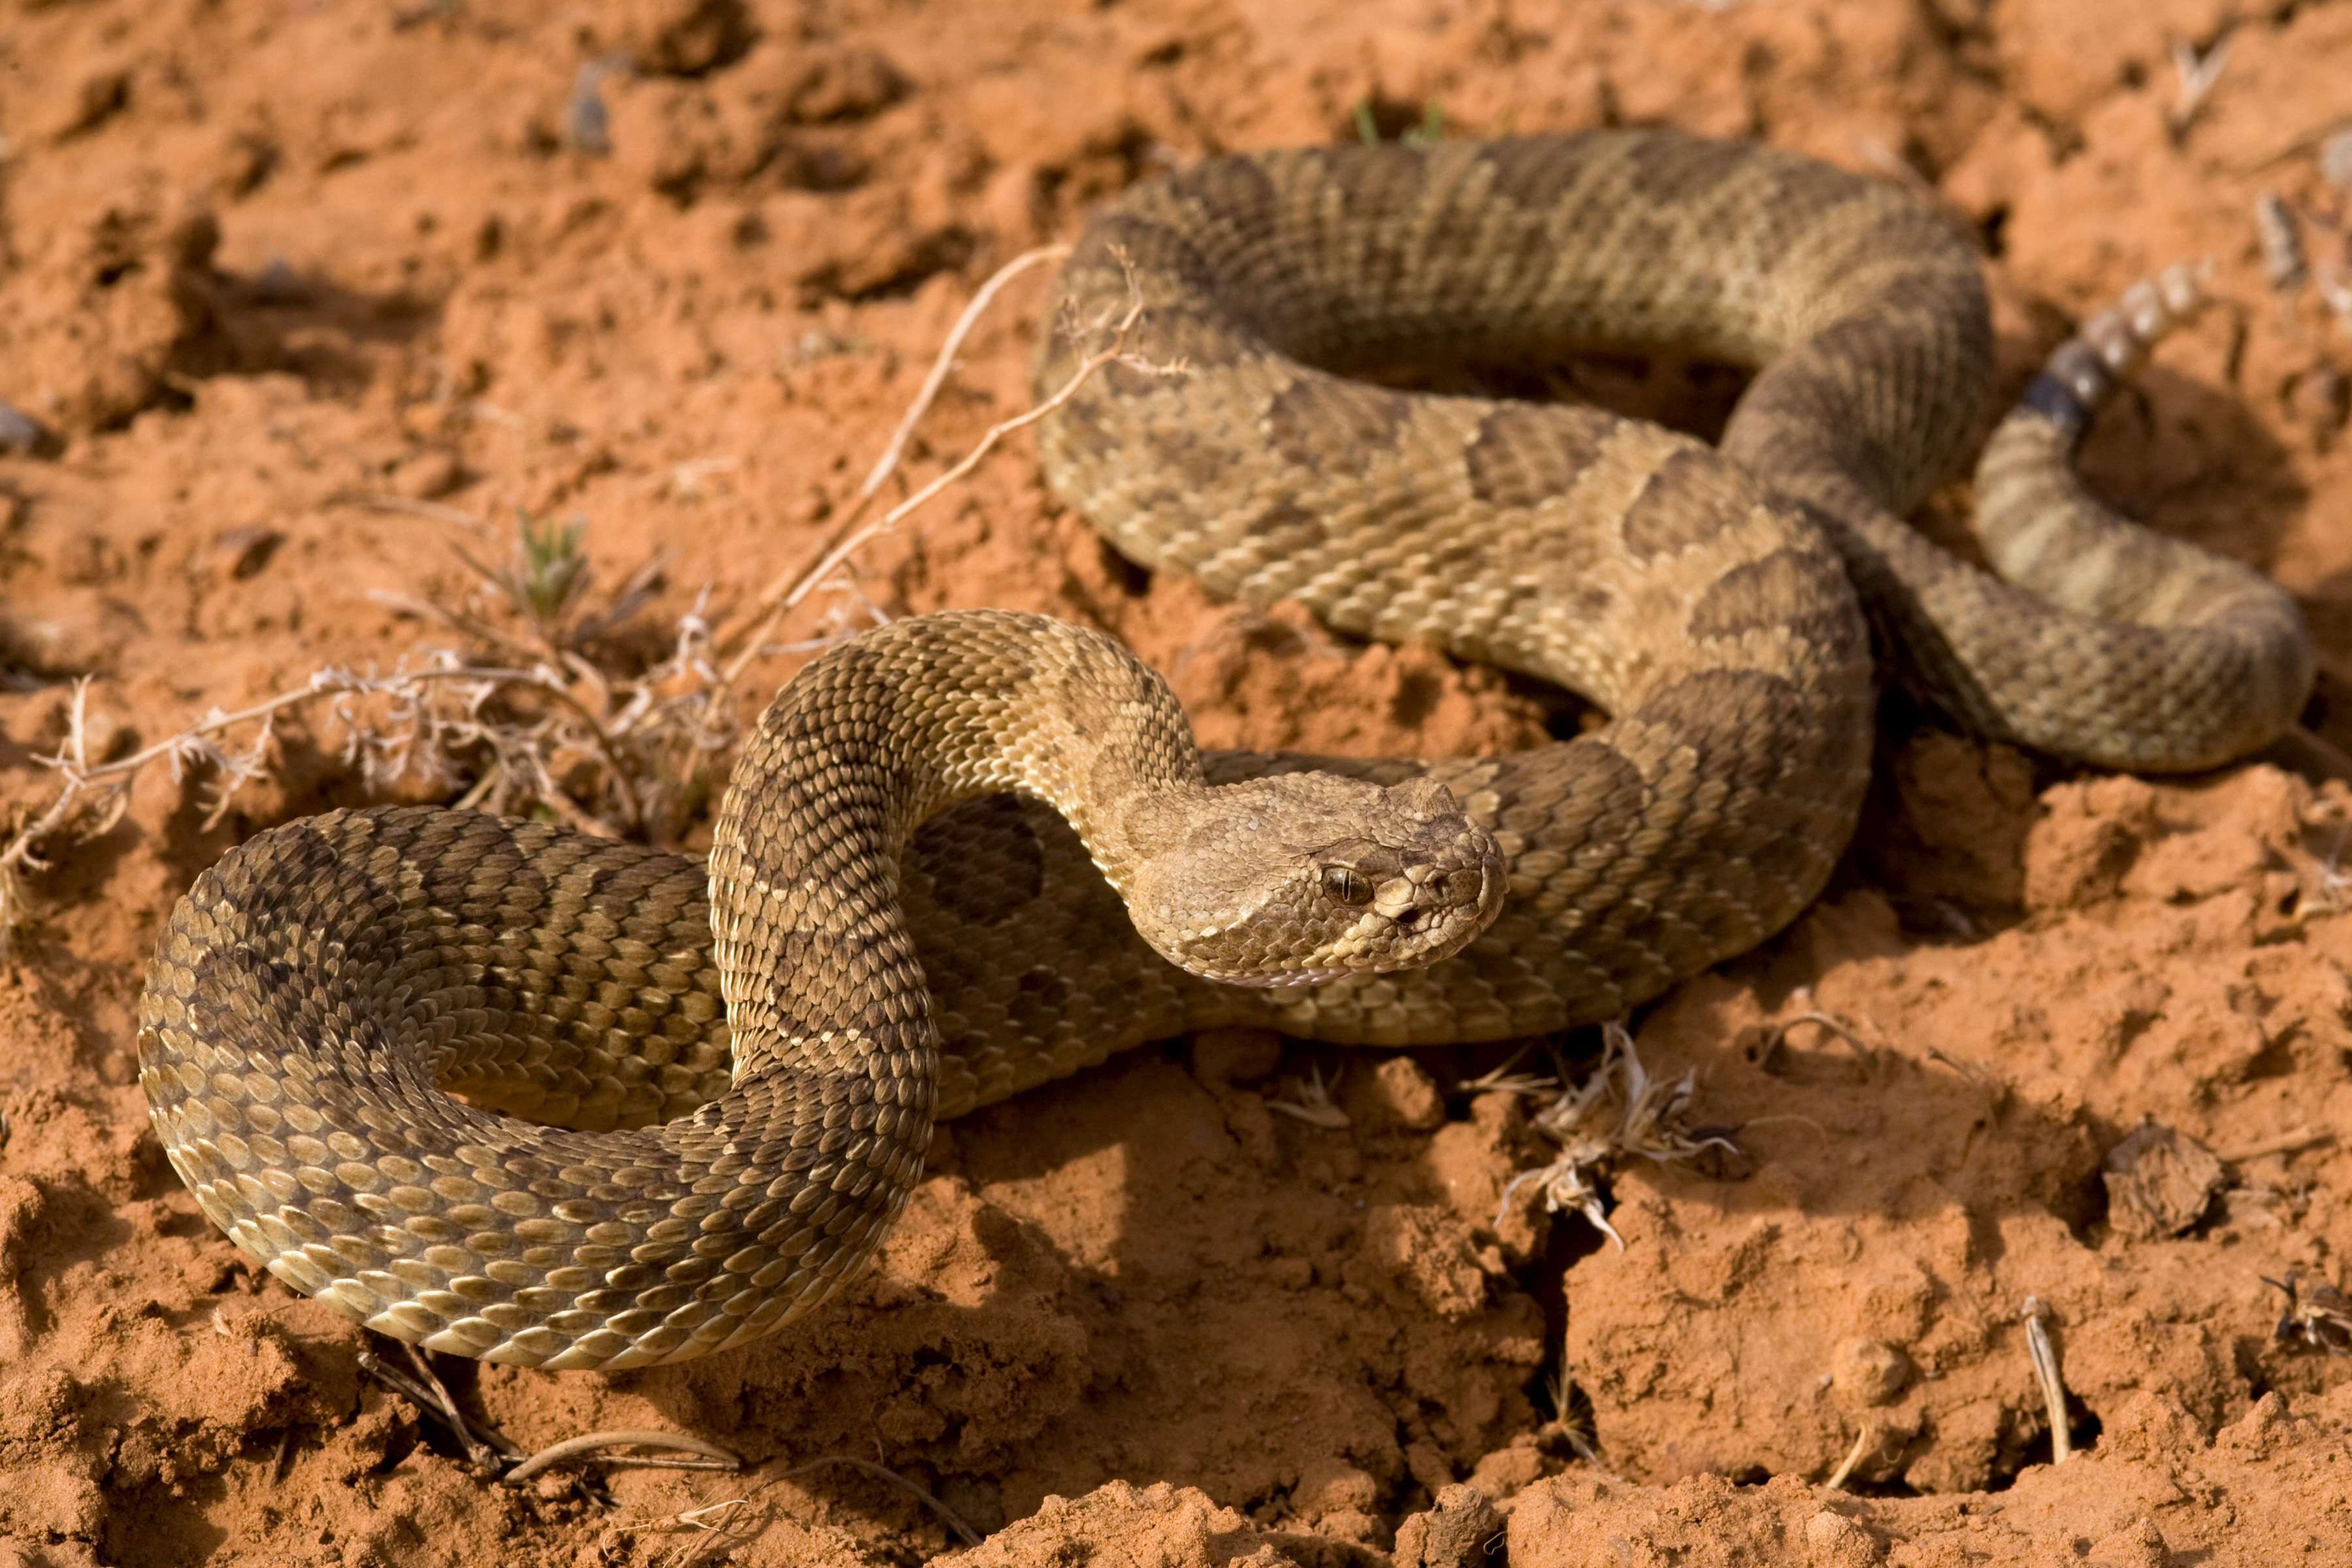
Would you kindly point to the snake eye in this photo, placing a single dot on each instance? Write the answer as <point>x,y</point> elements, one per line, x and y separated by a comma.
<point>1346,884</point>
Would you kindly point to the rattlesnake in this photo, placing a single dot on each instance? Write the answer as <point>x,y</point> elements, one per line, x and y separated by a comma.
<point>315,994</point>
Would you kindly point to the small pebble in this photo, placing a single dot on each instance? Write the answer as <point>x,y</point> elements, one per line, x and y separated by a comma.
<point>1462,1530</point>
<point>1869,1372</point>
<point>2160,1182</point>
<point>586,120</point>
<point>279,284</point>
<point>2336,159</point>
<point>19,431</point>
<point>247,549</point>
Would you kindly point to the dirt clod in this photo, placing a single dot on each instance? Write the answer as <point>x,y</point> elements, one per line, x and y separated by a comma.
<point>2158,1183</point>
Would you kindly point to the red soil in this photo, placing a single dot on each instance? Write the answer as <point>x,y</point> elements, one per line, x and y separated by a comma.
<point>262,258</point>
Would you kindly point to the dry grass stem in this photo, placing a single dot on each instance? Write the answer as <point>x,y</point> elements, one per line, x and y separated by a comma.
<point>2285,267</point>
<point>491,1457</point>
<point>2198,76</point>
<point>945,361</point>
<point>1314,1105</point>
<point>486,1458</point>
<point>1863,1442</point>
<point>1837,1027</point>
<point>380,500</point>
<point>713,1515</point>
<point>551,732</point>
<point>710,1456</point>
<point>91,797</point>
<point>1112,330</point>
<point>2044,1355</point>
<point>486,1454</point>
<point>947,1515</point>
<point>2290,1143</point>
<point>1503,1081</point>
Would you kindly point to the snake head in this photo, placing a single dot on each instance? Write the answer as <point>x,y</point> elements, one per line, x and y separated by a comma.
<point>1305,877</point>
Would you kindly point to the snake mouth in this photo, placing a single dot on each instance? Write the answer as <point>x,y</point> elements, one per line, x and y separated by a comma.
<point>1287,981</point>
<point>1427,936</point>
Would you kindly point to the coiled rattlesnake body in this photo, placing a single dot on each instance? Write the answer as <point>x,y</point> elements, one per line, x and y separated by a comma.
<point>316,994</point>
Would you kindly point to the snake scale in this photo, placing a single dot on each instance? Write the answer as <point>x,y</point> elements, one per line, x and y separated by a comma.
<point>672,1140</point>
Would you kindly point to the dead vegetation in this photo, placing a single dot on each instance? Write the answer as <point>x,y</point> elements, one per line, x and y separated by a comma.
<point>1618,1111</point>
<point>535,706</point>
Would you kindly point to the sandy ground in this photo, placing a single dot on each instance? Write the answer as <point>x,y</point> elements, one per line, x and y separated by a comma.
<point>276,269</point>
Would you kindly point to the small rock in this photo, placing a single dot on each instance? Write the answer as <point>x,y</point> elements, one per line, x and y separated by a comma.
<point>247,549</point>
<point>1506,1472</point>
<point>20,432</point>
<point>587,123</point>
<point>2139,1544</point>
<point>1326,1486</point>
<point>1354,1525</point>
<point>1398,1094</point>
<point>2160,1182</point>
<point>1868,1372</point>
<point>1456,1533</point>
<point>1833,1541</point>
<point>278,283</point>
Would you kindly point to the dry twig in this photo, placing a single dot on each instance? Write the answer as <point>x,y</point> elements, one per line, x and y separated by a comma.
<point>945,361</point>
<point>1830,1023</point>
<point>487,1453</point>
<point>948,1516</point>
<point>785,594</point>
<point>709,1456</point>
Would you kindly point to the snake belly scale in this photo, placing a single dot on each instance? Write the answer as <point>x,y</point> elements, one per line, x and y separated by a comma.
<point>694,1097</point>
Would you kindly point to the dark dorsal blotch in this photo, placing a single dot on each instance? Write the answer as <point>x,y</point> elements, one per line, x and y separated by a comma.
<point>1531,172</point>
<point>1524,456</point>
<point>1320,418</point>
<point>1780,590</point>
<point>1371,182</point>
<point>1691,498</point>
<point>990,861</point>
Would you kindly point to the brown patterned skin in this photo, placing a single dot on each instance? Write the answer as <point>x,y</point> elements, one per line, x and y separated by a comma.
<point>317,993</point>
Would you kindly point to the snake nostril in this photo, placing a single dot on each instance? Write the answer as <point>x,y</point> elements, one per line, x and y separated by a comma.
<point>1407,919</point>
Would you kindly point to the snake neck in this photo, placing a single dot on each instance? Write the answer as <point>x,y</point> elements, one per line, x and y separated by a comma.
<point>862,748</point>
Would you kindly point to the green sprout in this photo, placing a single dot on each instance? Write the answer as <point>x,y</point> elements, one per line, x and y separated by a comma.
<point>548,574</point>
